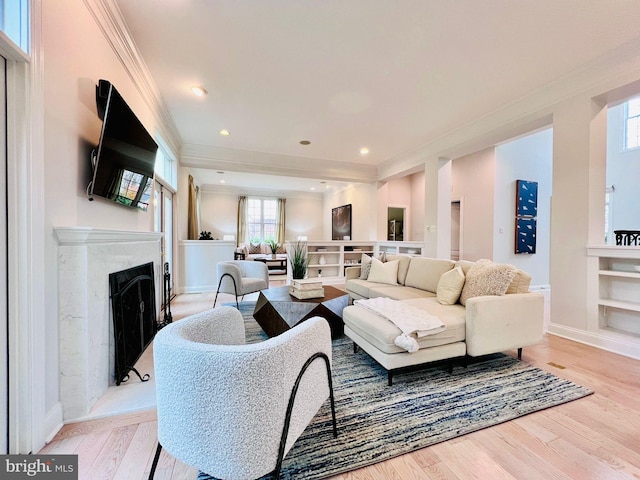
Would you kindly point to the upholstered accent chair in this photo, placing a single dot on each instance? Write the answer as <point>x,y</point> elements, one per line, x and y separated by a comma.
<point>234,410</point>
<point>241,277</point>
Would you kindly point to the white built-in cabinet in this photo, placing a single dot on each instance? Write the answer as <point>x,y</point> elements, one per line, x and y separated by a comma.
<point>328,260</point>
<point>618,296</point>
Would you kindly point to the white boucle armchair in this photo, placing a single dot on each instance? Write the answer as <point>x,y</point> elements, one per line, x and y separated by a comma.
<point>241,277</point>
<point>233,410</point>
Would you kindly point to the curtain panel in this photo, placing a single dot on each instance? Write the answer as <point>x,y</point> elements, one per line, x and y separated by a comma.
<point>242,220</point>
<point>280,221</point>
<point>193,222</point>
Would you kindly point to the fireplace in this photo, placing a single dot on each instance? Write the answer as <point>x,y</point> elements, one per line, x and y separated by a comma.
<point>86,258</point>
<point>133,306</point>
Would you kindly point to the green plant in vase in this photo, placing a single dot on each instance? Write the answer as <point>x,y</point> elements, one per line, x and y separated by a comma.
<point>299,260</point>
<point>273,245</point>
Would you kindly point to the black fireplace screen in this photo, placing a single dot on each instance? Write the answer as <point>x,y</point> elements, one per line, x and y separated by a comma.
<point>133,302</point>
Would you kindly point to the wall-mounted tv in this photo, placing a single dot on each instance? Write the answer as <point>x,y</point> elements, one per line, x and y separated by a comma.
<point>341,223</point>
<point>124,160</point>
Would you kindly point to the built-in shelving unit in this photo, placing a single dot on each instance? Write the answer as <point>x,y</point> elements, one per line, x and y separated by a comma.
<point>328,260</point>
<point>407,248</point>
<point>618,284</point>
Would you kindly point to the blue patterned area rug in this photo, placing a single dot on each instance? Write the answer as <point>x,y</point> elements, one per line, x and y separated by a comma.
<point>423,407</point>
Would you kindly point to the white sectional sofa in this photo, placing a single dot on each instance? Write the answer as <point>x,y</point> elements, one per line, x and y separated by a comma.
<point>482,324</point>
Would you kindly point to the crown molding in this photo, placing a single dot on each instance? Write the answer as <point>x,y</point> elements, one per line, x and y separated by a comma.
<point>109,18</point>
<point>259,192</point>
<point>248,161</point>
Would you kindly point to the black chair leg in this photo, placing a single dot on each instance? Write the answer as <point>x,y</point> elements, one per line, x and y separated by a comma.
<point>235,289</point>
<point>155,462</point>
<point>520,353</point>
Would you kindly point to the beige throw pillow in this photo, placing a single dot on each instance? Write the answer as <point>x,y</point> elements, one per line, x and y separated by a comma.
<point>450,286</point>
<point>365,266</point>
<point>487,278</point>
<point>386,272</point>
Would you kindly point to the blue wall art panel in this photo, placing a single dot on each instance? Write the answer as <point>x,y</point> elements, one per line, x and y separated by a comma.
<point>526,198</point>
<point>525,235</point>
<point>526,215</point>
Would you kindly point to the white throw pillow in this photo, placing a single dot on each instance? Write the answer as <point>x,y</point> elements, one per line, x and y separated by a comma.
<point>450,286</point>
<point>386,272</point>
<point>365,266</point>
<point>487,278</point>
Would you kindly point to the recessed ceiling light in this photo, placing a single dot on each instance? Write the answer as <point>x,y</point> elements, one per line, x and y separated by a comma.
<point>198,90</point>
<point>364,151</point>
<point>222,181</point>
<point>305,142</point>
<point>313,188</point>
<point>224,132</point>
<point>220,172</point>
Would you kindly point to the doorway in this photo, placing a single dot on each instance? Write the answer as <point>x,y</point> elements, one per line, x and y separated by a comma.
<point>4,297</point>
<point>456,228</point>
<point>396,224</point>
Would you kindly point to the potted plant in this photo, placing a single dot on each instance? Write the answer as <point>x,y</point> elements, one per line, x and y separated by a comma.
<point>273,245</point>
<point>204,235</point>
<point>299,260</point>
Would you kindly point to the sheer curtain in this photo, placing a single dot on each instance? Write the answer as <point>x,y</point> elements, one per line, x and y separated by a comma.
<point>242,220</point>
<point>280,221</point>
<point>193,222</point>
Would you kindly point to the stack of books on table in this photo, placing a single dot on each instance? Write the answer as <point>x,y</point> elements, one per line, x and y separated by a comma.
<point>310,288</point>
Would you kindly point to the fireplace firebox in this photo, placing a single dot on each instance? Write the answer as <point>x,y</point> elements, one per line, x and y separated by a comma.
<point>133,303</point>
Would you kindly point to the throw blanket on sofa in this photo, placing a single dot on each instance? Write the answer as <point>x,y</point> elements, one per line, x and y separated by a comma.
<point>413,322</point>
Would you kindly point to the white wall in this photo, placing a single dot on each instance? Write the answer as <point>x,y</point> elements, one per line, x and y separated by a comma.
<point>362,198</point>
<point>416,233</point>
<point>623,172</point>
<point>76,56</point>
<point>527,158</point>
<point>472,182</point>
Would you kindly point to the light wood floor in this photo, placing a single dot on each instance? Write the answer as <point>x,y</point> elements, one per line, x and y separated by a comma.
<point>597,437</point>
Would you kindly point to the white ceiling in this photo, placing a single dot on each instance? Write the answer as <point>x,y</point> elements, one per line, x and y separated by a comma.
<point>388,75</point>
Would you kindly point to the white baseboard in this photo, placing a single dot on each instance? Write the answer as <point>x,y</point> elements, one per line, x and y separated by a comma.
<point>53,422</point>
<point>603,339</point>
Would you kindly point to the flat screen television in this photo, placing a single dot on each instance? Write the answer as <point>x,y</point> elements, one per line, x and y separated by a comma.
<point>124,160</point>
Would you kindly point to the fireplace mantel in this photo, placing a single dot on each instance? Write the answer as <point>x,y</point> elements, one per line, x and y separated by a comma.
<point>85,235</point>
<point>86,257</point>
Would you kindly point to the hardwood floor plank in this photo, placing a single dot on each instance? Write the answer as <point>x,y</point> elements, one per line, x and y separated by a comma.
<point>112,453</point>
<point>140,452</point>
<point>408,468</point>
<point>467,461</point>
<point>88,451</point>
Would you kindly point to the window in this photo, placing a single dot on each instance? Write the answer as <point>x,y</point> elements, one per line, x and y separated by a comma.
<point>166,165</point>
<point>632,124</point>
<point>14,21</point>
<point>261,218</point>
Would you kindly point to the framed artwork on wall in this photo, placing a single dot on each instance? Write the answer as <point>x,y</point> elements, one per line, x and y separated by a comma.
<point>526,216</point>
<point>525,235</point>
<point>526,198</point>
<point>341,223</point>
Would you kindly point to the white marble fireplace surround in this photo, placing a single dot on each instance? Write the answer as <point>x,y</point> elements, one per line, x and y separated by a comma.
<point>86,257</point>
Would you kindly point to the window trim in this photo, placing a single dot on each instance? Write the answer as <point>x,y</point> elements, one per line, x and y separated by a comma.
<point>625,129</point>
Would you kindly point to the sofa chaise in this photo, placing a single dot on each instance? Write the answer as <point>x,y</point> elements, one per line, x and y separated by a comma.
<point>485,307</point>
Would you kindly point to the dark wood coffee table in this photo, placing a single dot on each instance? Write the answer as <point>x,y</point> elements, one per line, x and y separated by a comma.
<point>276,311</point>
